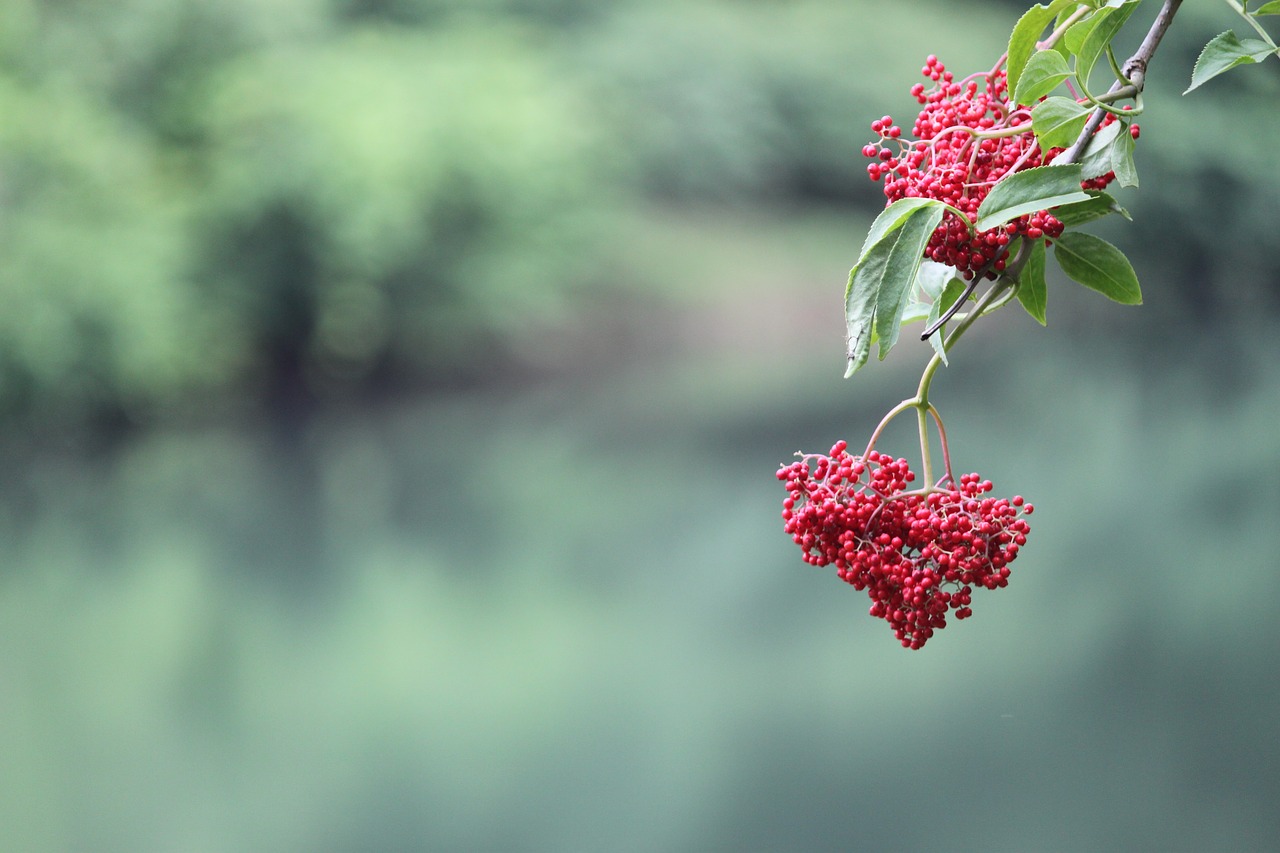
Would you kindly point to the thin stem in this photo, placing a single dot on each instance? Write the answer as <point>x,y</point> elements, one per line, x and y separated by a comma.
<point>1058,33</point>
<point>922,393</point>
<point>884,422</point>
<point>920,402</point>
<point>942,437</point>
<point>926,460</point>
<point>1102,102</point>
<point>1115,66</point>
<point>1120,94</point>
<point>1253,22</point>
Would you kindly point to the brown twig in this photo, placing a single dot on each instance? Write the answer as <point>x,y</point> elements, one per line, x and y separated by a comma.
<point>1135,68</point>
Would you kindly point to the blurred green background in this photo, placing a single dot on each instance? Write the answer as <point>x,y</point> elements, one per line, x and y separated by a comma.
<point>390,395</point>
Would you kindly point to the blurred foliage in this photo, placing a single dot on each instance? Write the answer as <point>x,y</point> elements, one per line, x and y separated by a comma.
<point>215,197</point>
<point>206,199</point>
<point>390,195</point>
<point>199,195</point>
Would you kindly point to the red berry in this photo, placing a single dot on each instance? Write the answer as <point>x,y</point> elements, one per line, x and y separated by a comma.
<point>947,161</point>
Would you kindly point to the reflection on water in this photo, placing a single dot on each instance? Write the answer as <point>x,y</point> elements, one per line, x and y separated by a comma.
<point>568,620</point>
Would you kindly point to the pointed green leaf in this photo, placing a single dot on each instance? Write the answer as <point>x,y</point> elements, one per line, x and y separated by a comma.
<point>1122,161</point>
<point>1098,265</point>
<point>1075,35</point>
<point>882,278</point>
<point>945,300</point>
<point>1110,19</point>
<point>1028,191</point>
<point>1043,73</point>
<point>1032,290</point>
<point>1022,41</point>
<point>900,272</point>
<point>1099,205</point>
<point>1224,52</point>
<point>1057,122</point>
<point>1272,8</point>
<point>889,220</point>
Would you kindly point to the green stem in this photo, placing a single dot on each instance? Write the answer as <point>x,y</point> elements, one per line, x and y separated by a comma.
<point>942,437</point>
<point>926,461</point>
<point>1115,65</point>
<point>884,422</point>
<point>1053,37</point>
<point>1117,95</point>
<point>1102,102</point>
<point>986,303</point>
<point>997,296</point>
<point>1253,22</point>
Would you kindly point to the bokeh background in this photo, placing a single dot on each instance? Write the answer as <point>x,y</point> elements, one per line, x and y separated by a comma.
<point>390,397</point>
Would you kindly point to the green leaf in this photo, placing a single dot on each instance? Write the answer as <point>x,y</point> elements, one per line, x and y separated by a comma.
<point>901,267</point>
<point>1097,156</point>
<point>889,220</point>
<point>1057,122</point>
<point>1075,35</point>
<point>1098,265</point>
<point>1109,21</point>
<point>1028,191</point>
<point>1043,73</point>
<point>945,300</point>
<point>860,306</point>
<point>1122,161</point>
<point>1272,8</point>
<point>1032,291</point>
<point>1224,52</point>
<point>880,281</point>
<point>932,277</point>
<point>1100,204</point>
<point>1022,41</point>
<point>916,311</point>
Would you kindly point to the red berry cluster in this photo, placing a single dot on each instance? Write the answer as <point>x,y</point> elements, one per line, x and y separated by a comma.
<point>967,138</point>
<point>918,554</point>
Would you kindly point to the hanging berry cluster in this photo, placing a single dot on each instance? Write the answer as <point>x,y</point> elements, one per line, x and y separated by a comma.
<point>967,138</point>
<point>918,554</point>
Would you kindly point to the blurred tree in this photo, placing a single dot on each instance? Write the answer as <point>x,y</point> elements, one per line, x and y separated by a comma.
<point>97,311</point>
<point>199,195</point>
<point>203,192</point>
<point>399,198</point>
